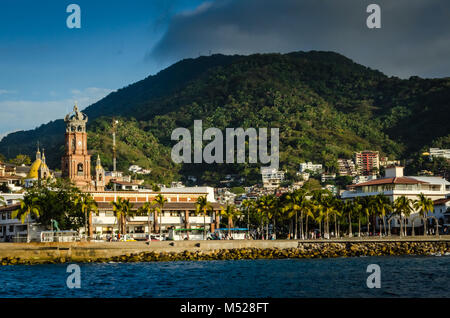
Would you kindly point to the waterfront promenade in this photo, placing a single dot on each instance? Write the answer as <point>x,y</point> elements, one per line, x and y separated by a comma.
<point>32,253</point>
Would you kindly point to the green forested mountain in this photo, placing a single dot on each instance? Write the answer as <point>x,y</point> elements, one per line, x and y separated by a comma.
<point>325,105</point>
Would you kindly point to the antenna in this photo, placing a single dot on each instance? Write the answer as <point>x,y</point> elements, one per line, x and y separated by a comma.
<point>114,123</point>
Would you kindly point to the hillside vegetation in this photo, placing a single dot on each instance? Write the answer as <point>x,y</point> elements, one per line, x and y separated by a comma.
<point>325,105</point>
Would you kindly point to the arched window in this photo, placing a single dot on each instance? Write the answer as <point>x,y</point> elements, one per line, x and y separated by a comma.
<point>100,177</point>
<point>80,128</point>
<point>80,169</point>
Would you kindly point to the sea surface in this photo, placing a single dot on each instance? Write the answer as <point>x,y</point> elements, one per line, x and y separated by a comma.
<point>407,276</point>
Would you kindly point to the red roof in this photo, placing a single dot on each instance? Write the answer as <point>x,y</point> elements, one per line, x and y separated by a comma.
<point>394,180</point>
<point>441,201</point>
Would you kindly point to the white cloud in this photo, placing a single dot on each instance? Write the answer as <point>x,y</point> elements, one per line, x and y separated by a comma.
<point>27,114</point>
<point>5,91</point>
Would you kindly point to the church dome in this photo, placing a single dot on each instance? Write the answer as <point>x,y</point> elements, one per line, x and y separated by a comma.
<point>34,170</point>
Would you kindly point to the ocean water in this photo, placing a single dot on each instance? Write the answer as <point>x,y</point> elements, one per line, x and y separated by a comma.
<point>407,276</point>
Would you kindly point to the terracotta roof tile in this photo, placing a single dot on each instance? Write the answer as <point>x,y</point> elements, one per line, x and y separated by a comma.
<point>394,180</point>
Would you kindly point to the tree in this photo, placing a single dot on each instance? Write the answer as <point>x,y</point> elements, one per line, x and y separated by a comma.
<point>311,185</point>
<point>87,205</point>
<point>383,206</point>
<point>367,209</point>
<point>348,210</point>
<point>202,205</point>
<point>248,205</point>
<point>21,160</point>
<point>230,212</point>
<point>266,206</point>
<point>2,201</point>
<point>29,207</point>
<point>402,207</point>
<point>161,201</point>
<point>356,208</point>
<point>58,202</point>
<point>294,202</point>
<point>122,209</point>
<point>148,208</point>
<point>423,205</point>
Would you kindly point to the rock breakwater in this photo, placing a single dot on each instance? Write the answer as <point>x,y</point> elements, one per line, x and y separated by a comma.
<point>303,250</point>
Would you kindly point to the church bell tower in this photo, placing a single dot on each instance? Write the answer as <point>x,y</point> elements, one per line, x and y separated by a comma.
<point>76,162</point>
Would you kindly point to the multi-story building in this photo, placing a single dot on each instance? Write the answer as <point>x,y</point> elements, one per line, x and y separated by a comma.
<point>360,179</point>
<point>271,177</point>
<point>437,152</point>
<point>311,167</point>
<point>442,212</point>
<point>324,177</point>
<point>347,167</point>
<point>385,162</point>
<point>367,162</point>
<point>395,185</point>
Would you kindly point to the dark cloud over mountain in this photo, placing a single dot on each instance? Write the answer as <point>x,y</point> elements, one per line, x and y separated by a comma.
<point>414,38</point>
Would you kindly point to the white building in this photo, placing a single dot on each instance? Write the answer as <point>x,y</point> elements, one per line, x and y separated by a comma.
<point>437,152</point>
<point>395,185</point>
<point>309,166</point>
<point>271,177</point>
<point>138,170</point>
<point>327,177</point>
<point>12,229</point>
<point>360,179</point>
<point>347,167</point>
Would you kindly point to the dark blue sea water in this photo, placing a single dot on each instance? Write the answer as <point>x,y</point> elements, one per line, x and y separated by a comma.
<point>340,277</point>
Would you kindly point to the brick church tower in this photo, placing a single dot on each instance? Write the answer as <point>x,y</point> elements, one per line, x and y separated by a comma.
<point>76,162</point>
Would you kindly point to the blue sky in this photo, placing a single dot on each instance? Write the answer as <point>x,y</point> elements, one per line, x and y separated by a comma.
<point>45,67</point>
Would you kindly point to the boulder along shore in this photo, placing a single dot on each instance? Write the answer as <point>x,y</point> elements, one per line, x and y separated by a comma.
<point>54,253</point>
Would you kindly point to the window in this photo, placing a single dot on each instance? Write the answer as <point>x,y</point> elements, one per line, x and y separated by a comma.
<point>21,228</point>
<point>80,169</point>
<point>11,229</point>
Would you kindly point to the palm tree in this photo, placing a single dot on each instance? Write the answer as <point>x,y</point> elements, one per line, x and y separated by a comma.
<point>265,206</point>
<point>367,208</point>
<point>122,209</point>
<point>202,206</point>
<point>309,213</point>
<point>337,212</point>
<point>248,205</point>
<point>423,205</point>
<point>294,203</point>
<point>230,211</point>
<point>2,201</point>
<point>29,206</point>
<point>161,201</point>
<point>148,208</point>
<point>383,206</point>
<point>348,210</point>
<point>402,207</point>
<point>87,205</point>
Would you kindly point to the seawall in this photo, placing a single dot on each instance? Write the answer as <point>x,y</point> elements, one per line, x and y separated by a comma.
<point>39,253</point>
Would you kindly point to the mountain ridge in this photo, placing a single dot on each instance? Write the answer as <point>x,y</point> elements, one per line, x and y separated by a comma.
<point>326,106</point>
